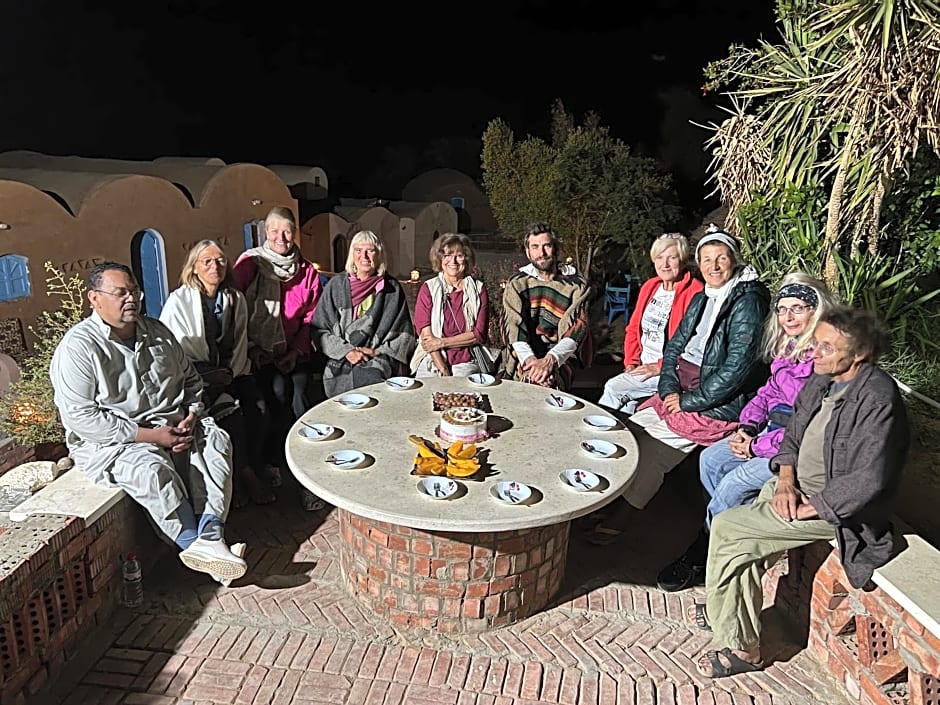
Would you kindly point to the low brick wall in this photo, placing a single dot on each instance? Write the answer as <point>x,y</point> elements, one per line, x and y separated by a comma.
<point>881,653</point>
<point>59,579</point>
<point>451,582</point>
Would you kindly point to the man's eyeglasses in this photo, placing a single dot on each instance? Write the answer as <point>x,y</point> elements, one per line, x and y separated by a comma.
<point>135,294</point>
<point>795,309</point>
<point>824,349</point>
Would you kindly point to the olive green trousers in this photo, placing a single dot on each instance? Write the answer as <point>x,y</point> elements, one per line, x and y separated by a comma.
<point>743,543</point>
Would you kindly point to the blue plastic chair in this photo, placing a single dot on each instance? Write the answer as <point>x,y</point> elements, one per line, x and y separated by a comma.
<point>617,301</point>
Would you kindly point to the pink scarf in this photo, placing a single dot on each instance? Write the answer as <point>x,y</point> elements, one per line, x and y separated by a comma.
<point>359,290</point>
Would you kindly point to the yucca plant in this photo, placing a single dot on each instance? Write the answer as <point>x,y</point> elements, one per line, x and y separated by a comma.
<point>845,99</point>
<point>879,284</point>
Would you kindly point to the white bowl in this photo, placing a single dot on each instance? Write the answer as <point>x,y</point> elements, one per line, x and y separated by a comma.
<point>602,423</point>
<point>579,480</point>
<point>315,431</point>
<point>437,487</point>
<point>400,383</point>
<point>345,459</point>
<point>481,379</point>
<point>597,448</point>
<point>353,401</point>
<point>511,492</point>
<point>560,402</point>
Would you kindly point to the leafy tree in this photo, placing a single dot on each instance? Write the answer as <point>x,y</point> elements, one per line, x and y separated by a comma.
<point>599,195</point>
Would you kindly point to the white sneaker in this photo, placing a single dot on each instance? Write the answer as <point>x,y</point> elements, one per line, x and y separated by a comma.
<point>214,558</point>
<point>237,549</point>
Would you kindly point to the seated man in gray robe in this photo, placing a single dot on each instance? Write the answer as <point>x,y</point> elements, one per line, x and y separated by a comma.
<point>131,405</point>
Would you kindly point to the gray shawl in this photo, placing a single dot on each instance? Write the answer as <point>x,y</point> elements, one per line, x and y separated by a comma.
<point>386,327</point>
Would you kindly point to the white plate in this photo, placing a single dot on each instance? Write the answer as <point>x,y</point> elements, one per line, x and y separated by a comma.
<point>315,431</point>
<point>353,401</point>
<point>400,383</point>
<point>481,379</point>
<point>579,480</point>
<point>597,448</point>
<point>602,423</point>
<point>511,492</point>
<point>345,459</point>
<point>437,487</point>
<point>559,401</point>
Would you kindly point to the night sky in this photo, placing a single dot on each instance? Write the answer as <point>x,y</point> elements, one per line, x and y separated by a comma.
<point>344,87</point>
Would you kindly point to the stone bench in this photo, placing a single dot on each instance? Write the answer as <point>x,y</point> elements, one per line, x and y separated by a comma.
<point>70,494</point>
<point>882,644</point>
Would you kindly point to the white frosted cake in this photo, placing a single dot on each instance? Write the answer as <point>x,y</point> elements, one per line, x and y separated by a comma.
<point>463,423</point>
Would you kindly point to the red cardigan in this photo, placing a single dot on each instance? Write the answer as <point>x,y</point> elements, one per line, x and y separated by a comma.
<point>686,288</point>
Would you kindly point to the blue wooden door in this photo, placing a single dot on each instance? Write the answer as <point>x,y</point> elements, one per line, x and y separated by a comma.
<point>150,269</point>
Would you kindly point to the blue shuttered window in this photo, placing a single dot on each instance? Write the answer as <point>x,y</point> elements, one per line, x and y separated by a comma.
<point>14,278</point>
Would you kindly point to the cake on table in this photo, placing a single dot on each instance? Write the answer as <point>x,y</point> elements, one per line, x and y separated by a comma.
<point>463,423</point>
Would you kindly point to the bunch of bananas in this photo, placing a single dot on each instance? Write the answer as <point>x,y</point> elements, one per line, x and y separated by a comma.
<point>458,460</point>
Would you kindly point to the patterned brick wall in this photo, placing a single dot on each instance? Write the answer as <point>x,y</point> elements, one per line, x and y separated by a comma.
<point>877,650</point>
<point>59,579</point>
<point>451,582</point>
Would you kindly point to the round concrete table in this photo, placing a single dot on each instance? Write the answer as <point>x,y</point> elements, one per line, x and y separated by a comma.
<point>470,562</point>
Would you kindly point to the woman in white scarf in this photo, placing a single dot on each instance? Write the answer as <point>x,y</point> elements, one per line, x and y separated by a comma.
<point>208,316</point>
<point>451,313</point>
<point>282,289</point>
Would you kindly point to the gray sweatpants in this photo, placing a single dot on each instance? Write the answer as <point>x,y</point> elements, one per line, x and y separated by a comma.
<point>159,480</point>
<point>743,542</point>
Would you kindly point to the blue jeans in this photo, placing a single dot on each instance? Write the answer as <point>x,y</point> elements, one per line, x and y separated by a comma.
<point>730,481</point>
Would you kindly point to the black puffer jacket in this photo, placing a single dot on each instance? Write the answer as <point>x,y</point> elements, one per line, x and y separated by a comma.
<point>732,370</point>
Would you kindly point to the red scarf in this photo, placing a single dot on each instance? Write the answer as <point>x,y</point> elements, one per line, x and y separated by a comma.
<point>359,290</point>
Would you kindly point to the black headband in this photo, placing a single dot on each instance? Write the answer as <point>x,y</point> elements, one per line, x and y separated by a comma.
<point>804,293</point>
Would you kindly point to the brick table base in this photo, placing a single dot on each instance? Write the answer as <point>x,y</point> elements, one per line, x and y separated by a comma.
<point>451,581</point>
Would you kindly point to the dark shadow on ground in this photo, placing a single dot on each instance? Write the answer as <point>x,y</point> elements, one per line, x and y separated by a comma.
<point>652,538</point>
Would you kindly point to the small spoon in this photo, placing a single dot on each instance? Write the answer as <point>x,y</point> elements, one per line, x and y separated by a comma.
<point>578,480</point>
<point>314,428</point>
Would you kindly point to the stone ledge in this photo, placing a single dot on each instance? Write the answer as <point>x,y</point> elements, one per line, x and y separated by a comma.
<point>909,579</point>
<point>70,494</point>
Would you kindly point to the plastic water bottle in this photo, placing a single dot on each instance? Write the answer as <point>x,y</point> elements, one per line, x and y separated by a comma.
<point>132,591</point>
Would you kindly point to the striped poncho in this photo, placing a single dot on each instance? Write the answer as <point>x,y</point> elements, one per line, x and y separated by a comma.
<point>540,313</point>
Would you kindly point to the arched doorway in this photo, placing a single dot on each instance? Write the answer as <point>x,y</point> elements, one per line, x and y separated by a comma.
<point>254,233</point>
<point>148,261</point>
<point>340,252</point>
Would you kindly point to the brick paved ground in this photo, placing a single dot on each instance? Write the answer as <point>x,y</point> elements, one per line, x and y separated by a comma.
<point>288,633</point>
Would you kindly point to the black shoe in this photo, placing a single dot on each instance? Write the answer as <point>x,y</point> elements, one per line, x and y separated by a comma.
<point>681,574</point>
